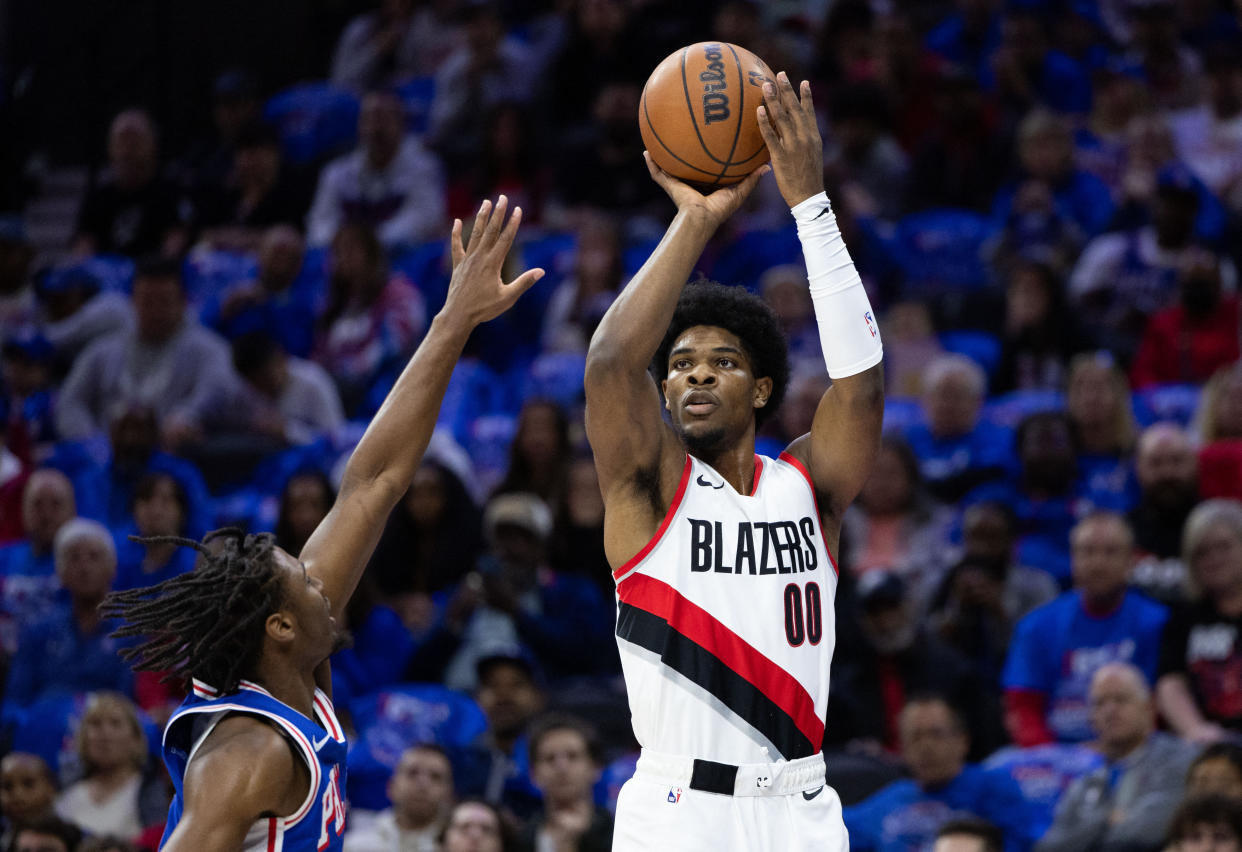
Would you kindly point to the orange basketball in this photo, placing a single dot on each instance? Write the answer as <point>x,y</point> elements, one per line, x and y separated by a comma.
<point>697,113</point>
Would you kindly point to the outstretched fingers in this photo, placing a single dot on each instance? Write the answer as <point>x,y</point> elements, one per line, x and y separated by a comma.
<point>455,244</point>
<point>480,222</point>
<point>522,283</point>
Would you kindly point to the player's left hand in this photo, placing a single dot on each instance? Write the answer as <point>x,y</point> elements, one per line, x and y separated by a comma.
<point>789,127</point>
<point>477,293</point>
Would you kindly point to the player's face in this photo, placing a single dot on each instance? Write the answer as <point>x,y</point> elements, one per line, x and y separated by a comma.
<point>563,768</point>
<point>305,599</point>
<point>711,391</point>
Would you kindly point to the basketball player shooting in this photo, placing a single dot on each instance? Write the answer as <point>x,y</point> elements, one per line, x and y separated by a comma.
<point>725,575</point>
<point>255,752</point>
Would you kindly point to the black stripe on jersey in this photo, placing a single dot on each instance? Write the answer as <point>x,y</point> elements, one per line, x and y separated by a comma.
<point>698,664</point>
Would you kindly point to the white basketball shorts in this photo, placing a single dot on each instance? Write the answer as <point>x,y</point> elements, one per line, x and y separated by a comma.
<point>679,804</point>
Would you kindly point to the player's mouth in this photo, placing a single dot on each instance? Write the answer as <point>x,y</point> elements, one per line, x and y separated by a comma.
<point>700,403</point>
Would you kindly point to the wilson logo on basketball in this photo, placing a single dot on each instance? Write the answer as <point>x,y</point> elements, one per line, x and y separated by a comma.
<point>715,100</point>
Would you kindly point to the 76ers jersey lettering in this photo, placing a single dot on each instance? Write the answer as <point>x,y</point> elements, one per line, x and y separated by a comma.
<point>725,620</point>
<point>319,823</point>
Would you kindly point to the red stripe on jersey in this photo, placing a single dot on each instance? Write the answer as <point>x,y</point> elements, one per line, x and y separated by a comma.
<point>668,519</point>
<point>271,834</point>
<point>754,489</point>
<point>699,626</point>
<point>786,457</point>
<point>328,721</point>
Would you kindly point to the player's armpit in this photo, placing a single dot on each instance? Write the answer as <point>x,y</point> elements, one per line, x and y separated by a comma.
<point>244,771</point>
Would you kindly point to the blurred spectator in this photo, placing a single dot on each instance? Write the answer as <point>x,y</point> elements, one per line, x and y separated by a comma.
<point>1189,341</point>
<point>373,319</point>
<point>17,296</point>
<point>1217,769</point>
<point>160,509</point>
<point>968,36</point>
<point>27,377</point>
<point>1199,693</point>
<point>565,763</point>
<point>495,767</point>
<point>785,289</point>
<point>27,792</point>
<point>965,156</point>
<point>28,581</point>
<point>168,362</point>
<point>377,48</point>
<point>1207,824</point>
<point>1040,333</point>
<point>235,105</point>
<point>514,597</point>
<point>1058,647</point>
<point>956,450</point>
<point>986,591</point>
<point>907,814</point>
<point>272,303</point>
<point>489,68</point>
<point>793,419</point>
<point>421,791</point>
<point>286,399</point>
<point>304,502</point>
<point>860,148</point>
<point>107,843</point>
<point>13,476</point>
<point>1209,134</point>
<point>897,657</point>
<point>1168,479</point>
<point>432,537</point>
<point>76,310</point>
<point>257,193</point>
<point>577,544</point>
<point>602,166</point>
<point>131,209</point>
<point>510,163</point>
<point>70,649</point>
<point>1028,72</point>
<point>116,795</point>
<point>1170,69</point>
<point>969,835</point>
<point>597,48</point>
<point>475,826</point>
<point>1127,803</point>
<point>893,524</point>
<point>1218,421</point>
<point>50,834</point>
<point>1117,97</point>
<point>579,302</point>
<point>1124,277</point>
<point>540,453</point>
<point>910,345</point>
<point>390,183</point>
<point>1098,404</point>
<point>1050,184</point>
<point>382,644</point>
<point>909,73</point>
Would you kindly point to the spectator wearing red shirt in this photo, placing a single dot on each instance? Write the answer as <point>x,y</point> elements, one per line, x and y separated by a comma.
<point>1191,340</point>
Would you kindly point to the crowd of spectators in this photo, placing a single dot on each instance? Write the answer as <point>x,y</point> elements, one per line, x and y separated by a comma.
<point>1040,590</point>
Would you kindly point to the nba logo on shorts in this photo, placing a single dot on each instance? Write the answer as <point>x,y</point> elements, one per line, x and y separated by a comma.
<point>870,323</point>
<point>674,796</point>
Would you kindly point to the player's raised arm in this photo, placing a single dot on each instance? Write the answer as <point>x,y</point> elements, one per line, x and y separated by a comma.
<point>385,459</point>
<point>845,433</point>
<point>623,420</point>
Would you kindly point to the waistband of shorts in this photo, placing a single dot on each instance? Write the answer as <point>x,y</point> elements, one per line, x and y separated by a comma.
<point>726,779</point>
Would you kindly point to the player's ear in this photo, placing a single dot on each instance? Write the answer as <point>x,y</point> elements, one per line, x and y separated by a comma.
<point>763,391</point>
<point>279,626</point>
<point>664,393</point>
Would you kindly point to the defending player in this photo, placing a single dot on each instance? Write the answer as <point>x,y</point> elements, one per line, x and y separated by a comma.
<point>725,577</point>
<point>255,752</point>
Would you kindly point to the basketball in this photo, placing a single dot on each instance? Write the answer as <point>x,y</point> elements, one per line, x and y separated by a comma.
<point>697,113</point>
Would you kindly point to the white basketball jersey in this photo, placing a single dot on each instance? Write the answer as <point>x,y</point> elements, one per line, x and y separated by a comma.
<point>725,619</point>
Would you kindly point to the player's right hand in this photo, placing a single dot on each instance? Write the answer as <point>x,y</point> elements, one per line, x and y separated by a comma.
<point>476,292</point>
<point>718,205</point>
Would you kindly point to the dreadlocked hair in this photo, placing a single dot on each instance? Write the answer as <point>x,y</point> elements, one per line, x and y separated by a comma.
<point>207,623</point>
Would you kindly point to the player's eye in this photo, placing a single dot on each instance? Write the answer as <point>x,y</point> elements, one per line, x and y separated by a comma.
<point>681,364</point>
<point>727,363</point>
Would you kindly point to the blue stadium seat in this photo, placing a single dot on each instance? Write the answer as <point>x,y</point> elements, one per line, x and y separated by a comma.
<point>744,260</point>
<point>557,376</point>
<point>393,719</point>
<point>209,272</point>
<point>417,95</point>
<point>1176,402</point>
<point>981,347</point>
<point>900,413</point>
<point>939,251</point>
<point>316,121</point>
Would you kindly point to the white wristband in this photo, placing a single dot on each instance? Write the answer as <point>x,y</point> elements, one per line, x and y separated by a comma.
<point>848,332</point>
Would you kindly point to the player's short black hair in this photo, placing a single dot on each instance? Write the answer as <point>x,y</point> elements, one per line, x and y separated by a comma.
<point>740,313</point>
<point>993,838</point>
<point>208,623</point>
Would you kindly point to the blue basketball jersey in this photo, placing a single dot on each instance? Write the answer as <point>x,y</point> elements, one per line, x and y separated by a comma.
<point>319,824</point>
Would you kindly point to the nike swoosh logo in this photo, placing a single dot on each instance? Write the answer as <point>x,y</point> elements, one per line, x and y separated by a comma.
<point>813,793</point>
<point>827,209</point>
<point>321,743</point>
<point>702,481</point>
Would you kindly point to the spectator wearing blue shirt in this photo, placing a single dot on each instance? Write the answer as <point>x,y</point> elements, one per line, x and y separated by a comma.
<point>27,568</point>
<point>1098,403</point>
<point>956,450</point>
<point>1057,648</point>
<point>70,650</point>
<point>1025,71</point>
<point>280,301</point>
<point>907,814</point>
<point>160,509</point>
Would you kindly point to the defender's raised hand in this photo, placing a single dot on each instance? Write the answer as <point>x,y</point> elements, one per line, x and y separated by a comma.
<point>791,132</point>
<point>477,293</point>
